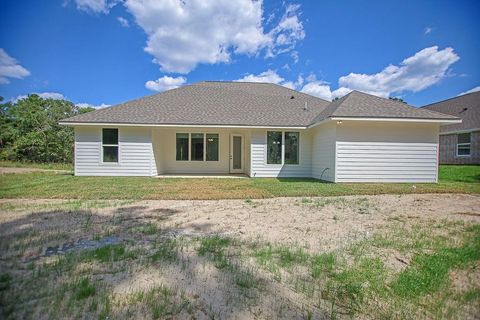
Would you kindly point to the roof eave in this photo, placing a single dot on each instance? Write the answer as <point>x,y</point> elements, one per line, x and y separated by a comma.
<point>124,124</point>
<point>442,121</point>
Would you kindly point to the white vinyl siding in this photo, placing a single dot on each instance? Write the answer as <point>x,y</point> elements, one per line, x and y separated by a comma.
<point>386,153</point>
<point>323,152</point>
<point>259,166</point>
<point>135,154</point>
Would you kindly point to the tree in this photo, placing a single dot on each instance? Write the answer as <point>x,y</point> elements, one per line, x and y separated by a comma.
<point>29,129</point>
<point>397,99</point>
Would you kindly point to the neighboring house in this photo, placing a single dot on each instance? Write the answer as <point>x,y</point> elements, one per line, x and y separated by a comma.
<point>260,130</point>
<point>460,142</point>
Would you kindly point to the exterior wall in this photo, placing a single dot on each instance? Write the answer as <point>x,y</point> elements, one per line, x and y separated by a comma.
<point>323,151</point>
<point>135,154</point>
<point>448,149</point>
<point>164,146</point>
<point>259,166</point>
<point>386,152</point>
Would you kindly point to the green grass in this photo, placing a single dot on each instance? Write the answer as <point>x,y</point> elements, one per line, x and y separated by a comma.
<point>83,289</point>
<point>459,173</point>
<point>453,179</point>
<point>48,166</point>
<point>429,272</point>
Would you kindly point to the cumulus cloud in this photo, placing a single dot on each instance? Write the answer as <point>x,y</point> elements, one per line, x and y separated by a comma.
<point>269,76</point>
<point>415,73</point>
<point>165,83</point>
<point>95,6</point>
<point>183,34</point>
<point>470,91</point>
<point>44,95</point>
<point>88,105</point>
<point>124,22</point>
<point>9,68</point>
<point>427,30</point>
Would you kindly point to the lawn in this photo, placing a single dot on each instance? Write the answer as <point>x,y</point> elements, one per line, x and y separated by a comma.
<point>46,166</point>
<point>453,179</point>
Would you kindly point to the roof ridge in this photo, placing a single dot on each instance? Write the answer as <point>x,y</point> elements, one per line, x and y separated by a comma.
<point>459,96</point>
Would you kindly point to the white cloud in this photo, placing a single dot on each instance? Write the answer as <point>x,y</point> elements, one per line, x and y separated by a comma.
<point>415,73</point>
<point>183,34</point>
<point>124,22</point>
<point>427,30</point>
<point>86,105</point>
<point>9,68</point>
<point>470,91</point>
<point>95,6</point>
<point>318,89</point>
<point>44,95</point>
<point>269,76</point>
<point>165,83</point>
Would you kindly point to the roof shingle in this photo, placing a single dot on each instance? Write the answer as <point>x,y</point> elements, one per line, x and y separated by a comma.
<point>466,107</point>
<point>247,104</point>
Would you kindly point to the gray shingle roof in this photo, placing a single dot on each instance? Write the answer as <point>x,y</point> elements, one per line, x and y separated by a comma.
<point>466,107</point>
<point>246,104</point>
<point>362,105</point>
<point>215,103</point>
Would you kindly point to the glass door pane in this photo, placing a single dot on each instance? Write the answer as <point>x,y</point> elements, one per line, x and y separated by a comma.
<point>237,152</point>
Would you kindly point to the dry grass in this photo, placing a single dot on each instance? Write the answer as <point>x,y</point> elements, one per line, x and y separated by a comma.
<point>205,259</point>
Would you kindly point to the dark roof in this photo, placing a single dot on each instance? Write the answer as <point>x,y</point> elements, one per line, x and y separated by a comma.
<point>247,104</point>
<point>215,103</point>
<point>358,104</point>
<point>466,107</point>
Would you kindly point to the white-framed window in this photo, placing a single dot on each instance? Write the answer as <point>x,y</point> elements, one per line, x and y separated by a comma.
<point>197,146</point>
<point>110,145</point>
<point>283,147</point>
<point>463,144</point>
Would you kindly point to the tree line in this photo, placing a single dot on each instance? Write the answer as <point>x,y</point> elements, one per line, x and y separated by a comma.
<point>29,129</point>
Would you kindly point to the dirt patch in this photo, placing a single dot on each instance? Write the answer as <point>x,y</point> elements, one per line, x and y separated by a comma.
<point>160,247</point>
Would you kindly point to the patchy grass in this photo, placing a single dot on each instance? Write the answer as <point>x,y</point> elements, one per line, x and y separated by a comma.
<point>162,275</point>
<point>453,179</point>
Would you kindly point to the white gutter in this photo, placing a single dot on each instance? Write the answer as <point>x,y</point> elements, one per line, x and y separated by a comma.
<point>446,121</point>
<point>99,124</point>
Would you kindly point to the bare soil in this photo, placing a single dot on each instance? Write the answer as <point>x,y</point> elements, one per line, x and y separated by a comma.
<point>315,224</point>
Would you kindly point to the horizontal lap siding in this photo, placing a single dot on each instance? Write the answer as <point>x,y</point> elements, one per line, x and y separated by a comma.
<point>392,162</point>
<point>260,168</point>
<point>135,153</point>
<point>323,152</point>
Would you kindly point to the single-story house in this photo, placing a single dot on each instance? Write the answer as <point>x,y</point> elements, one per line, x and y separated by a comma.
<point>260,130</point>
<point>460,142</point>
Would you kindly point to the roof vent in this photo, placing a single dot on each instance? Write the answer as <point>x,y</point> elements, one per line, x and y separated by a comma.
<point>292,97</point>
<point>306,106</point>
<point>464,109</point>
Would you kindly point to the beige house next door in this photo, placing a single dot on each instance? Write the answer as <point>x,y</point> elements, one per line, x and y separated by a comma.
<point>236,153</point>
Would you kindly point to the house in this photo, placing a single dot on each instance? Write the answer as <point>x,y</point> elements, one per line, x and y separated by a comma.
<point>260,130</point>
<point>460,142</point>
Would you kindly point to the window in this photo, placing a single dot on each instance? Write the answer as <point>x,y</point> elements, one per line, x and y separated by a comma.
<point>291,147</point>
<point>202,146</point>
<point>463,144</point>
<point>274,147</point>
<point>182,147</point>
<point>282,147</point>
<point>109,145</point>
<point>212,147</point>
<point>197,146</point>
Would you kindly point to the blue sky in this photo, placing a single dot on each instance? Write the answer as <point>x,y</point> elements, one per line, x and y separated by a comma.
<point>102,52</point>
